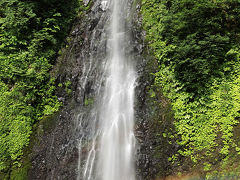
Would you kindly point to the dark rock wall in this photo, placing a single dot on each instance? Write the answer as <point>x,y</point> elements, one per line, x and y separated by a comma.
<point>78,74</point>
<point>55,153</point>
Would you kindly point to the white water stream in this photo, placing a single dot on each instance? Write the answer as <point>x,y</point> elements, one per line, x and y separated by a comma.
<point>117,114</point>
<point>111,153</point>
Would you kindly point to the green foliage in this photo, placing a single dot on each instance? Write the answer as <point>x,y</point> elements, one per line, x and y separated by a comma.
<point>20,173</point>
<point>88,101</point>
<point>192,38</point>
<point>68,87</point>
<point>196,44</point>
<point>31,32</point>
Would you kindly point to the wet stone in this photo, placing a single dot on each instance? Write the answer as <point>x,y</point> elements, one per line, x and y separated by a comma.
<point>86,2</point>
<point>55,154</point>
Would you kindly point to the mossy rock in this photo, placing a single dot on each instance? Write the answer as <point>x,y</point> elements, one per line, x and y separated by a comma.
<point>20,173</point>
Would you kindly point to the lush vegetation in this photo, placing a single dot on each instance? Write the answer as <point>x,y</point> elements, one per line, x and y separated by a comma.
<point>31,32</point>
<point>196,44</point>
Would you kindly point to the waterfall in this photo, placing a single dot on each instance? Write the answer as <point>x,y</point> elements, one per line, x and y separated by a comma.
<point>112,142</point>
<point>117,114</point>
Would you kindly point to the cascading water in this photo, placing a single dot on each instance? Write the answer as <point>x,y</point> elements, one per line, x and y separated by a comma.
<point>111,141</point>
<point>92,136</point>
<point>116,118</point>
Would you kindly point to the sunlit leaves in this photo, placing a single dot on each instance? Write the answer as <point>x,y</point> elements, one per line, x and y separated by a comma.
<point>31,32</point>
<point>196,44</point>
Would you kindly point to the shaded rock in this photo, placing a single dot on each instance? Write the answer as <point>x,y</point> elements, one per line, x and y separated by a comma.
<point>56,152</point>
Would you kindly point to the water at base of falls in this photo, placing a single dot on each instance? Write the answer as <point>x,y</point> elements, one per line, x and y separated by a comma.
<point>111,151</point>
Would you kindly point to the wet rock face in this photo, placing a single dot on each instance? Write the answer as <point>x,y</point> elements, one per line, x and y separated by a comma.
<point>86,2</point>
<point>153,115</point>
<point>153,149</point>
<point>53,156</point>
<point>55,153</point>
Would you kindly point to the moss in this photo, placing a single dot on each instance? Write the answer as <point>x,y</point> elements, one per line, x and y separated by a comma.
<point>68,88</point>
<point>88,101</point>
<point>60,85</point>
<point>22,172</point>
<point>86,8</point>
<point>47,123</point>
<point>83,9</point>
<point>67,84</point>
<point>163,130</point>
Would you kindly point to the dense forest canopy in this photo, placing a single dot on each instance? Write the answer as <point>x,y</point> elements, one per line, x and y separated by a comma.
<point>31,32</point>
<point>196,44</point>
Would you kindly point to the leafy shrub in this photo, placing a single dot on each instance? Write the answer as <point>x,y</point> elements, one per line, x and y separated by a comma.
<point>31,32</point>
<point>196,44</point>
